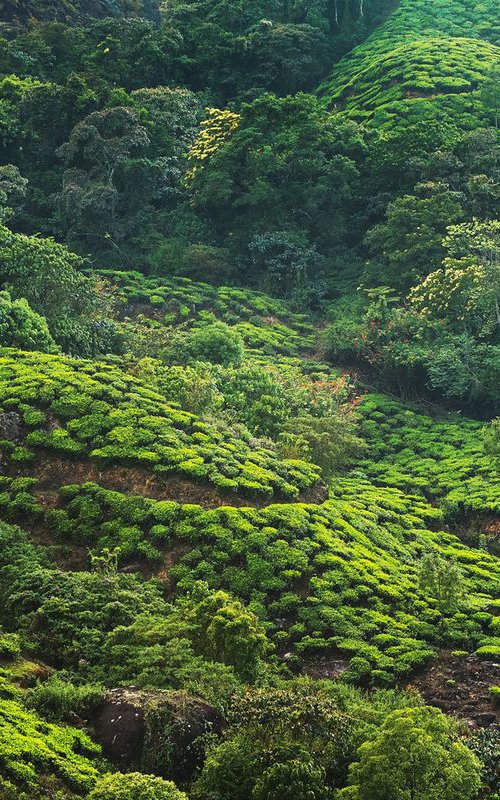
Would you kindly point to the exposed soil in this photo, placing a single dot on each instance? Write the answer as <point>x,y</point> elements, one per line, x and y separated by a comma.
<point>171,558</point>
<point>53,472</point>
<point>459,685</point>
<point>331,666</point>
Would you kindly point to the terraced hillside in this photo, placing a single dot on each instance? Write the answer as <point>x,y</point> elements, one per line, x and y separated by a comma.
<point>249,370</point>
<point>91,411</point>
<point>426,51</point>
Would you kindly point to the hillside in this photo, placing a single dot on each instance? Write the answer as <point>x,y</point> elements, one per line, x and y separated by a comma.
<point>249,370</point>
<point>438,52</point>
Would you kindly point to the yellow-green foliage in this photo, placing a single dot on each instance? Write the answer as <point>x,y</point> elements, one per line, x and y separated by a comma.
<point>424,50</point>
<point>108,415</point>
<point>341,575</point>
<point>443,458</point>
<point>33,752</point>
<point>264,323</point>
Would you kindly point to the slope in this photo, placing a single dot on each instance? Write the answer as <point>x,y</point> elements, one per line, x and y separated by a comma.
<point>425,51</point>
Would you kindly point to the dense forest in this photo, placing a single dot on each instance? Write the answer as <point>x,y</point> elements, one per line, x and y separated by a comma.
<point>249,400</point>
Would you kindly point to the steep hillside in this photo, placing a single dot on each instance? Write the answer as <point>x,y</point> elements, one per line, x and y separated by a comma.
<point>425,51</point>
<point>249,371</point>
<point>92,411</point>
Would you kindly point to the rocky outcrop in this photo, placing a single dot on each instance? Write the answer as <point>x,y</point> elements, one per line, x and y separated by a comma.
<point>10,426</point>
<point>155,731</point>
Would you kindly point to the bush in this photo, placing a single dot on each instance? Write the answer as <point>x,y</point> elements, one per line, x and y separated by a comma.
<point>59,700</point>
<point>416,753</point>
<point>135,786</point>
<point>292,780</point>
<point>217,343</point>
<point>22,327</point>
<point>10,646</point>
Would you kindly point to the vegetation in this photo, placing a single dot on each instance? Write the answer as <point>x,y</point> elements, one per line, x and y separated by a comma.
<point>249,409</point>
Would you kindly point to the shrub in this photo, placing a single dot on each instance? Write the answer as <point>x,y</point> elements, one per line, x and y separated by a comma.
<point>22,327</point>
<point>10,645</point>
<point>489,653</point>
<point>59,700</point>
<point>135,786</point>
<point>292,780</point>
<point>216,343</point>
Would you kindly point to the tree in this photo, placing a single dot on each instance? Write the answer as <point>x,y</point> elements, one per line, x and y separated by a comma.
<point>98,146</point>
<point>465,292</point>
<point>416,755</point>
<point>285,164</point>
<point>225,631</point>
<point>330,442</point>
<point>49,277</point>
<point>12,188</point>
<point>135,786</point>
<point>286,261</point>
<point>280,741</point>
<point>409,244</point>
<point>442,579</point>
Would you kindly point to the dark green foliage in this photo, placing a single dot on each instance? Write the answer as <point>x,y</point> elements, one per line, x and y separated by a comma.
<point>177,542</point>
<point>287,742</point>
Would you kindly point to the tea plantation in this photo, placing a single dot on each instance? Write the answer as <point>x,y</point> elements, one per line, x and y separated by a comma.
<point>249,406</point>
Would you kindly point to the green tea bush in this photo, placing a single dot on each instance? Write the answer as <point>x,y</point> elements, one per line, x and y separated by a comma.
<point>263,322</point>
<point>442,458</point>
<point>420,52</point>
<point>343,575</point>
<point>32,749</point>
<point>135,786</point>
<point>108,415</point>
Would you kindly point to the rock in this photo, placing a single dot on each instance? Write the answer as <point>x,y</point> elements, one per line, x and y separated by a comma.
<point>155,731</point>
<point>120,727</point>
<point>486,719</point>
<point>10,426</point>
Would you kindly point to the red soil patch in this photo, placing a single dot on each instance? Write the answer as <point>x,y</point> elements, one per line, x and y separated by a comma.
<point>53,473</point>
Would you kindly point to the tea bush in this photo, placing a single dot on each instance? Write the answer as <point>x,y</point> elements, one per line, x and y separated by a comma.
<point>342,576</point>
<point>33,751</point>
<point>439,457</point>
<point>103,413</point>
